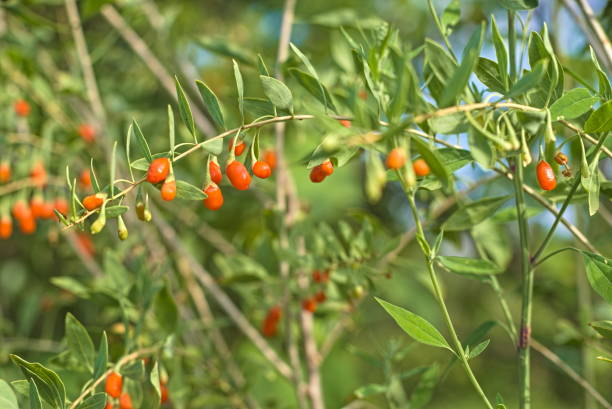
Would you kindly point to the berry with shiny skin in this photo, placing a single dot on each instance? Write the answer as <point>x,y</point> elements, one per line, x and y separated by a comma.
<point>158,170</point>
<point>36,206</point>
<point>27,225</point>
<point>396,159</point>
<point>269,156</point>
<point>214,201</point>
<point>317,175</point>
<point>215,172</point>
<point>85,179</point>
<point>327,167</point>
<point>421,168</point>
<point>238,175</point>
<point>262,169</point>
<point>546,176</point>
<point>21,210</point>
<point>238,149</point>
<point>114,384</point>
<point>168,190</point>
<point>125,402</point>
<point>93,202</point>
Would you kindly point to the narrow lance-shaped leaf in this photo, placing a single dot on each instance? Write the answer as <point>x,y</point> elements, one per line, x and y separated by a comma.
<point>128,145</point>
<point>188,191</point>
<point>50,386</point>
<point>154,379</point>
<point>184,108</point>
<point>466,265</point>
<point>102,357</point>
<point>212,104</point>
<point>94,177</point>
<point>171,134</point>
<point>240,89</point>
<point>473,213</point>
<point>277,92</point>
<point>35,402</point>
<point>79,341</point>
<point>500,52</point>
<point>314,87</point>
<point>113,169</point>
<point>529,80</point>
<point>141,141</point>
<point>415,326</point>
<point>603,327</point>
<point>309,67</point>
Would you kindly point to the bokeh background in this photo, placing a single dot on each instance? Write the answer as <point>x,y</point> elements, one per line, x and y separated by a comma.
<point>194,39</point>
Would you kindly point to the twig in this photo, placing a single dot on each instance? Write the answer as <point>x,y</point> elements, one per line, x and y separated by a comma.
<point>585,135</point>
<point>598,32</point>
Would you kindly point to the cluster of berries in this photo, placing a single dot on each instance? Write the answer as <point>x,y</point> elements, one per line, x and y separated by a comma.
<point>319,277</point>
<point>397,158</point>
<point>114,389</point>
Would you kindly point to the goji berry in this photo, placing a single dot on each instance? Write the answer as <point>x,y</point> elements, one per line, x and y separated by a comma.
<point>163,389</point>
<point>22,108</point>
<point>238,175</point>
<point>269,156</point>
<point>421,168</point>
<point>345,123</point>
<point>262,169</point>
<point>168,190</point>
<point>27,225</point>
<point>317,175</point>
<point>319,276</point>
<point>561,158</point>
<point>85,179</point>
<point>38,174</point>
<point>6,227</point>
<point>214,201</point>
<point>158,170</point>
<point>396,159</point>
<point>92,202</point>
<point>125,402</point>
<point>36,206</point>
<point>309,304</point>
<point>5,172</point>
<point>47,211</point>
<point>327,167</point>
<point>109,404</point>
<point>546,176</point>
<point>21,210</point>
<point>215,172</point>
<point>114,384</point>
<point>320,297</point>
<point>238,149</point>
<point>270,323</point>
<point>61,205</point>
<point>87,132</point>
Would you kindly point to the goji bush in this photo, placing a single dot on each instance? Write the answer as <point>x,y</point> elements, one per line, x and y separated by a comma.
<point>279,202</point>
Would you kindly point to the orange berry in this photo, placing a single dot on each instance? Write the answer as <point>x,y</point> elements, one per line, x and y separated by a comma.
<point>85,179</point>
<point>269,156</point>
<point>561,158</point>
<point>164,392</point>
<point>168,190</point>
<point>396,159</point>
<point>262,169</point>
<point>125,402</point>
<point>327,167</point>
<point>238,175</point>
<point>38,174</point>
<point>5,172</point>
<point>214,201</point>
<point>270,323</point>
<point>36,206</point>
<point>92,202</point>
<point>215,172</point>
<point>320,297</point>
<point>6,227</point>
<point>309,304</point>
<point>109,404</point>
<point>46,212</point>
<point>114,384</point>
<point>61,205</point>
<point>546,176</point>
<point>158,170</point>
<point>21,210</point>
<point>27,225</point>
<point>421,168</point>
<point>317,175</point>
<point>345,123</point>
<point>238,149</point>
<point>87,132</point>
<point>22,108</point>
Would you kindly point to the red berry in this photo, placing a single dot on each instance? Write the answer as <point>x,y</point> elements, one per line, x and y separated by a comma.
<point>168,190</point>
<point>158,170</point>
<point>345,123</point>
<point>5,172</point>
<point>309,304</point>
<point>396,159</point>
<point>215,172</point>
<point>546,176</point>
<point>269,156</point>
<point>125,402</point>
<point>238,175</point>
<point>214,201</point>
<point>114,384</point>
<point>327,167</point>
<point>421,168</point>
<point>87,132</point>
<point>92,202</point>
<point>27,225</point>
<point>61,205</point>
<point>85,179</point>
<point>317,175</point>
<point>21,210</point>
<point>38,174</point>
<point>320,297</point>
<point>47,211</point>
<point>22,108</point>
<point>36,206</point>
<point>164,392</point>
<point>6,227</point>
<point>270,323</point>
<point>262,169</point>
<point>240,147</point>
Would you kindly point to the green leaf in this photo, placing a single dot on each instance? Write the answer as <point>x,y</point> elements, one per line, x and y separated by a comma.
<point>487,72</point>
<point>603,327</point>
<point>501,53</point>
<point>277,92</point>
<point>113,169</point>
<point>115,211</point>
<point>154,379</point>
<point>188,191</point>
<point>184,108</point>
<point>454,159</point>
<point>433,160</point>
<point>459,80</point>
<point>79,342</point>
<point>451,16</point>
<point>49,384</point>
<point>470,215</point>
<point>96,401</point>
<point>573,104</point>
<point>171,133</point>
<point>519,4</point>
<point>102,357</point>
<point>213,146</point>
<point>370,390</point>
<point>599,274</point>
<point>240,89</point>
<point>478,349</point>
<point>94,178</point>
<point>165,310</point>
<point>309,68</point>
<point>313,87</point>
<point>135,370</point>
<point>605,90</point>
<point>529,80</point>
<point>8,399</point>
<point>466,265</point>
<point>261,66</point>
<point>415,326</point>
<point>600,120</point>
<point>72,285</point>
<point>141,141</point>
<point>35,402</point>
<point>212,104</point>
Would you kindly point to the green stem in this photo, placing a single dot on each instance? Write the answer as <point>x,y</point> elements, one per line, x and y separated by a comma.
<point>553,253</point>
<point>527,290</point>
<point>512,45</point>
<point>440,299</point>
